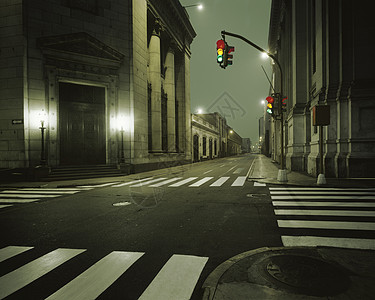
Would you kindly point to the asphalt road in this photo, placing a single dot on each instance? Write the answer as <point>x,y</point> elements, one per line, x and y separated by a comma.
<point>207,219</point>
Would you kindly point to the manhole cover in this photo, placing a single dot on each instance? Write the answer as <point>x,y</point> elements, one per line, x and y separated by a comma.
<point>306,275</point>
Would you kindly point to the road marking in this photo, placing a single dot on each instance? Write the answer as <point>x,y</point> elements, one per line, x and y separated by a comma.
<point>358,193</point>
<point>207,171</point>
<point>220,181</point>
<point>182,182</point>
<point>240,181</point>
<point>326,225</point>
<point>200,182</point>
<point>165,182</point>
<point>321,197</point>
<point>231,168</point>
<point>312,212</point>
<point>12,200</point>
<point>131,182</point>
<point>40,192</point>
<point>3,206</point>
<point>11,251</point>
<point>177,278</point>
<point>318,203</point>
<point>98,185</point>
<point>259,184</point>
<point>148,182</point>
<point>26,274</point>
<point>26,196</point>
<point>313,241</point>
<point>222,166</point>
<point>55,189</point>
<point>320,189</point>
<point>95,280</point>
<point>238,171</point>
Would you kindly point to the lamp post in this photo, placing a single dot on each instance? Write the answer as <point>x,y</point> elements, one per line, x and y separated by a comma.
<point>43,161</point>
<point>123,123</point>
<point>199,6</point>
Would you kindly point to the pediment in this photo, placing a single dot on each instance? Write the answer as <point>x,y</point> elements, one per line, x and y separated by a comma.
<point>79,44</point>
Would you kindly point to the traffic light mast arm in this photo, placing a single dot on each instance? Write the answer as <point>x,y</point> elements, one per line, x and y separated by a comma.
<point>223,33</point>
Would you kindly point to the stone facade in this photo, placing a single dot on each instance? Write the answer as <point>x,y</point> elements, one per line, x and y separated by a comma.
<point>324,49</point>
<point>212,137</point>
<point>102,75</point>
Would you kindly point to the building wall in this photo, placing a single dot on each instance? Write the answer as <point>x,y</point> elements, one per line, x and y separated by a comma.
<point>322,47</point>
<point>91,43</point>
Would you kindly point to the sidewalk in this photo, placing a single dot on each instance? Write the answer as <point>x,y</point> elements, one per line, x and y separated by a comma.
<point>294,273</point>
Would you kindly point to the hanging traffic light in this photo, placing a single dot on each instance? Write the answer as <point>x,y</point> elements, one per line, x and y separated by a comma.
<point>270,104</point>
<point>227,56</point>
<point>220,49</point>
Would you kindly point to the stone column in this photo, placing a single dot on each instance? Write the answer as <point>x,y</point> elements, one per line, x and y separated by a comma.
<point>155,80</point>
<point>169,87</point>
<point>188,143</point>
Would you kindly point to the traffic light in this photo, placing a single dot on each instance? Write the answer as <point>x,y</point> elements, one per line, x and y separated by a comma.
<point>270,105</point>
<point>227,56</point>
<point>220,49</point>
<point>283,104</point>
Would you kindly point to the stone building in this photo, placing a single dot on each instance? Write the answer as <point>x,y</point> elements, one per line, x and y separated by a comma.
<point>109,79</point>
<point>324,48</point>
<point>212,137</point>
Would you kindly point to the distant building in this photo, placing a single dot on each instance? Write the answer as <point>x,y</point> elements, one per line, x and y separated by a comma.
<point>96,73</point>
<point>246,145</point>
<point>212,137</point>
<point>324,48</point>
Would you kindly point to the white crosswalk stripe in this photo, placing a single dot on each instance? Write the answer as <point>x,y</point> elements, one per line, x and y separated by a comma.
<point>346,214</point>
<point>175,280</point>
<point>188,182</point>
<point>28,195</point>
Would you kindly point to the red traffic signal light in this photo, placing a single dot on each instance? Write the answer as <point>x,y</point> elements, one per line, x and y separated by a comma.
<point>270,101</point>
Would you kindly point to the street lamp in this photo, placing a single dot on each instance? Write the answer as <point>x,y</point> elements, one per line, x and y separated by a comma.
<point>42,116</point>
<point>123,124</point>
<point>199,6</point>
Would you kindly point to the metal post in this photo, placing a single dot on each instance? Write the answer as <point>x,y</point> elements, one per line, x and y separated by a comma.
<point>122,160</point>
<point>321,177</point>
<point>282,176</point>
<point>43,153</point>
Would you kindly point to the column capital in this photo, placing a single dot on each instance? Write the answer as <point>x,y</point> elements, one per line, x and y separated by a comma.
<point>172,47</point>
<point>157,28</point>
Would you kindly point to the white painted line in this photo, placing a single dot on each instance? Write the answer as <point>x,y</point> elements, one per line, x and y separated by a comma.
<point>312,212</point>
<point>231,168</point>
<point>13,200</point>
<point>207,171</point>
<point>98,185</point>
<point>323,204</point>
<point>238,171</point>
<point>3,206</point>
<point>182,182</point>
<point>248,172</point>
<point>148,182</point>
<point>26,196</point>
<point>326,225</point>
<point>41,192</point>
<point>200,182</point>
<point>95,280</point>
<point>314,241</point>
<point>323,197</point>
<point>165,182</point>
<point>320,189</point>
<point>259,184</point>
<point>358,193</point>
<point>54,189</point>
<point>220,181</point>
<point>222,166</point>
<point>26,274</point>
<point>240,181</point>
<point>131,182</point>
<point>177,278</point>
<point>11,251</point>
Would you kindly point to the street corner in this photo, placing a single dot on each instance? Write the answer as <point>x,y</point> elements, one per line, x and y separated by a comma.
<point>292,273</point>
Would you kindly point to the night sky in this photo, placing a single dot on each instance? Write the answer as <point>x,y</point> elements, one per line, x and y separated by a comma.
<point>235,92</point>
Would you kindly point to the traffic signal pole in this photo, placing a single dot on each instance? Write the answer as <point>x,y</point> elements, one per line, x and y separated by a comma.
<point>282,176</point>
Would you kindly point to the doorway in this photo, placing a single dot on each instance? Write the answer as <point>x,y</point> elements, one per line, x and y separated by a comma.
<point>82,124</point>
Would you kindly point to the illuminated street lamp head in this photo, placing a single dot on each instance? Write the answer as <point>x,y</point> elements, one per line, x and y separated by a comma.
<point>200,111</point>
<point>264,55</point>
<point>200,6</point>
<point>230,131</point>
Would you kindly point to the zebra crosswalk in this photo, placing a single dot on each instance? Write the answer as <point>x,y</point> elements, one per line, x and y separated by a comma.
<point>176,279</point>
<point>28,195</point>
<point>191,182</point>
<point>338,217</point>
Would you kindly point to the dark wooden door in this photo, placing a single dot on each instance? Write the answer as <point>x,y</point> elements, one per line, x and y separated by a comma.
<point>82,125</point>
<point>196,148</point>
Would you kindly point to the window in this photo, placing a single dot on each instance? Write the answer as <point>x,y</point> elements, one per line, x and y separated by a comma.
<point>164,121</point>
<point>204,146</point>
<point>149,119</point>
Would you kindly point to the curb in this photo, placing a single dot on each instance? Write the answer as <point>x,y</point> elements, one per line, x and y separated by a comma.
<point>210,284</point>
